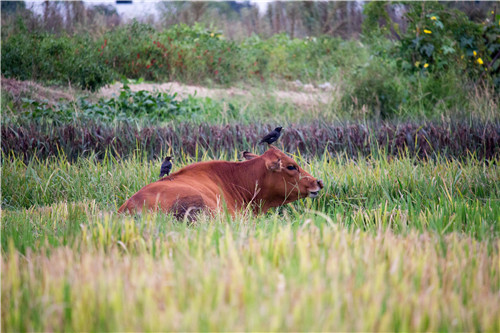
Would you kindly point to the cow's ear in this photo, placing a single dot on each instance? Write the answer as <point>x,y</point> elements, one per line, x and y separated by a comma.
<point>274,165</point>
<point>248,155</point>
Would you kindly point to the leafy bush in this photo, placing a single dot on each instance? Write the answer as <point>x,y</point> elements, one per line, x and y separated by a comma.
<point>376,85</point>
<point>195,53</point>
<point>491,36</point>
<point>441,57</point>
<point>128,106</point>
<point>90,74</point>
<point>125,49</point>
<point>440,39</point>
<point>189,54</point>
<point>375,13</point>
<point>60,60</point>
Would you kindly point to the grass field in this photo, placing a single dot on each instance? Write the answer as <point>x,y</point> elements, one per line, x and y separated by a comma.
<point>390,245</point>
<point>399,118</point>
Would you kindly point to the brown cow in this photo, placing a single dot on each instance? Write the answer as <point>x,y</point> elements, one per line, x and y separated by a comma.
<point>261,182</point>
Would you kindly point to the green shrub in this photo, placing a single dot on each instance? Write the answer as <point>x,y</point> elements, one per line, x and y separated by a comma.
<point>127,106</point>
<point>491,36</point>
<point>197,53</point>
<point>188,54</point>
<point>18,54</point>
<point>124,49</point>
<point>377,86</point>
<point>55,60</point>
<point>375,13</point>
<point>439,39</point>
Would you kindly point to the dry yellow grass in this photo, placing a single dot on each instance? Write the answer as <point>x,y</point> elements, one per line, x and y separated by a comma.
<point>242,277</point>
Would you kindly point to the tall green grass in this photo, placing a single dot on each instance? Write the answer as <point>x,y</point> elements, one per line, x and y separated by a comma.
<point>377,192</point>
<point>389,245</point>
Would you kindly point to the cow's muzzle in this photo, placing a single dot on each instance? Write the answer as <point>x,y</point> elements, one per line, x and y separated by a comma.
<point>313,193</point>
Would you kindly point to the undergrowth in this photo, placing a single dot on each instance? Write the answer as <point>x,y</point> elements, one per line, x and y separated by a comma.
<point>401,194</point>
<point>388,245</point>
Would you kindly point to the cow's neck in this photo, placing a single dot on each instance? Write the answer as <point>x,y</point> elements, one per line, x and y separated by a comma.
<point>242,183</point>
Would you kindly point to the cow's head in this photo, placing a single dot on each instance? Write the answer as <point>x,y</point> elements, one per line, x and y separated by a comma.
<point>284,179</point>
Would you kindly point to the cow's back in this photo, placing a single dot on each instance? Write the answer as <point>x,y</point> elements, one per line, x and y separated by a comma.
<point>184,192</point>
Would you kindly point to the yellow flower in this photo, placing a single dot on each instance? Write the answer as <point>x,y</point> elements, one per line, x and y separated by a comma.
<point>462,56</point>
<point>480,61</point>
<point>212,34</point>
<point>475,53</point>
<point>417,63</point>
<point>427,31</point>
<point>426,65</point>
<point>433,18</point>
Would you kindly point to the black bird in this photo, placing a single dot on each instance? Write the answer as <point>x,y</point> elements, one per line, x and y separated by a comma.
<point>166,166</point>
<point>272,136</point>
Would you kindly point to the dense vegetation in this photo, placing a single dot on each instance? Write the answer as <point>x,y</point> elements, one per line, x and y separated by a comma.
<point>388,245</point>
<point>403,237</point>
<point>439,60</point>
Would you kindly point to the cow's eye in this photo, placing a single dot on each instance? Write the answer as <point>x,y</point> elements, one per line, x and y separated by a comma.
<point>291,167</point>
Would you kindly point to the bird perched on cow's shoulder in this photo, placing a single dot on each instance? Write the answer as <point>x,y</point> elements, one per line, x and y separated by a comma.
<point>166,166</point>
<point>272,136</point>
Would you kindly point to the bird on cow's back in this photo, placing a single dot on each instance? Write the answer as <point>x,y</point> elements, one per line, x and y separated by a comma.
<point>166,166</point>
<point>272,136</point>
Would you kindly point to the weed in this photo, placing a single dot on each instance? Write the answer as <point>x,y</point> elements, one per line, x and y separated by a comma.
<point>431,140</point>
